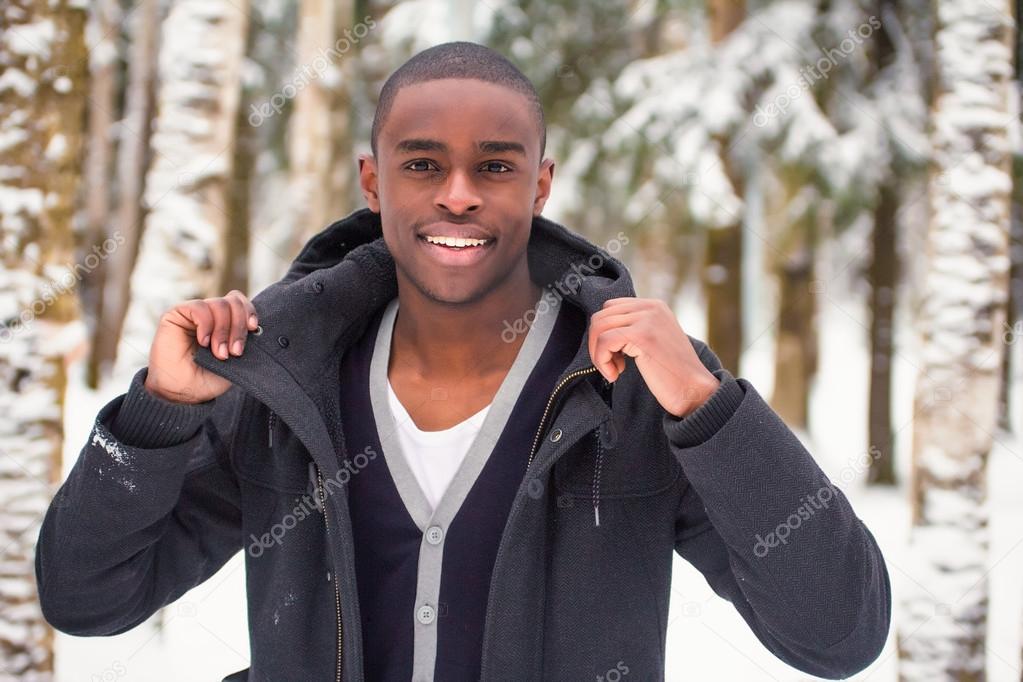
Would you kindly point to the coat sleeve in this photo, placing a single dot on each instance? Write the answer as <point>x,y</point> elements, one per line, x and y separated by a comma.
<point>149,510</point>
<point>772,535</point>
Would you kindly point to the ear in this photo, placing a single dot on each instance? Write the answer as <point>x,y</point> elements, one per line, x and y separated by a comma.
<point>368,181</point>
<point>543,185</point>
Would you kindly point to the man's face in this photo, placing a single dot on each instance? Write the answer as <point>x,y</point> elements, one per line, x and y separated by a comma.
<point>457,158</point>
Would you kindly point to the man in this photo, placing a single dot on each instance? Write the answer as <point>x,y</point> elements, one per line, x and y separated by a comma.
<point>454,443</point>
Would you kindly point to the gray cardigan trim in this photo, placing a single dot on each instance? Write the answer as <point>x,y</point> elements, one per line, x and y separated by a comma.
<point>434,523</point>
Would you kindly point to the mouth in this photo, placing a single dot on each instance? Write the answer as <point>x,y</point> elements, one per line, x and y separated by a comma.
<point>450,250</point>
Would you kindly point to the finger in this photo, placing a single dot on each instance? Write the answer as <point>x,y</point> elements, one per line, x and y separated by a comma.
<point>609,345</point>
<point>600,325</point>
<point>238,330</point>
<point>622,300</point>
<point>199,315</point>
<point>252,319</point>
<point>621,306</point>
<point>614,321</point>
<point>221,310</point>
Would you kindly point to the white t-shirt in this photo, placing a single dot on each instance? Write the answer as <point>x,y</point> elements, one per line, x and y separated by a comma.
<point>434,456</point>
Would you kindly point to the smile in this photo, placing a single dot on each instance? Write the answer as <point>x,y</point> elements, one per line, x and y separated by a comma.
<point>457,242</point>
<point>456,251</point>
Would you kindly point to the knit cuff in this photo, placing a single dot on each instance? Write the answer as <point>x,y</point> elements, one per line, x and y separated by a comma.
<point>699,425</point>
<point>145,420</point>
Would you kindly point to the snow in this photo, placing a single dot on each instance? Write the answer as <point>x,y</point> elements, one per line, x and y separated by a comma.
<point>31,40</point>
<point>56,148</point>
<point>18,81</point>
<point>105,440</point>
<point>14,200</point>
<point>12,137</point>
<point>62,85</point>
<point>422,18</point>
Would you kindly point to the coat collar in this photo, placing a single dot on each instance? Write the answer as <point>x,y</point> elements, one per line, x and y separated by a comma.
<point>346,274</point>
<point>343,276</point>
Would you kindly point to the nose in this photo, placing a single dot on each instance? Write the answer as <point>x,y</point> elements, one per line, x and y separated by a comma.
<point>458,195</point>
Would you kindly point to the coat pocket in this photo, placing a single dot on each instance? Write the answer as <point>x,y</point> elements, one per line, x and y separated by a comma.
<point>610,463</point>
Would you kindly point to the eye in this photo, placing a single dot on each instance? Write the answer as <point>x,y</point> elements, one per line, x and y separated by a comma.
<point>410,165</point>
<point>491,164</point>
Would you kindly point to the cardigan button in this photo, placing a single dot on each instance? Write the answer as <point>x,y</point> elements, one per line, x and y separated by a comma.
<point>555,435</point>
<point>282,341</point>
<point>318,287</point>
<point>425,614</point>
<point>434,535</point>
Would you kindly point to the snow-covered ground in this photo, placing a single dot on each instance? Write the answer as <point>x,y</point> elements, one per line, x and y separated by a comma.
<point>204,634</point>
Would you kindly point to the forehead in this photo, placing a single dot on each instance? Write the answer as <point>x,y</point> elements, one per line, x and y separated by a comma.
<point>460,111</point>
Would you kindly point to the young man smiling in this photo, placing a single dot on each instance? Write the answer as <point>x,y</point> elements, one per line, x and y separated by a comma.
<point>423,495</point>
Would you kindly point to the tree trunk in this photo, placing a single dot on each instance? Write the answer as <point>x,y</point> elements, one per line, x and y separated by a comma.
<point>322,163</point>
<point>132,153</point>
<point>183,247</point>
<point>942,631</point>
<point>1013,329</point>
<point>1014,321</point>
<point>722,272</point>
<point>794,214</point>
<point>883,276</point>
<point>243,172</point>
<point>102,102</point>
<point>41,116</point>
<point>724,17</point>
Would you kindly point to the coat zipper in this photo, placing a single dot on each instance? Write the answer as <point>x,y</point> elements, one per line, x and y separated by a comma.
<point>550,401</point>
<point>337,591</point>
<point>597,463</point>
<point>323,503</point>
<point>532,452</point>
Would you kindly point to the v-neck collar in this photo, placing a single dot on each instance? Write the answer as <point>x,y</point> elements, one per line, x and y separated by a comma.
<point>401,414</point>
<point>482,445</point>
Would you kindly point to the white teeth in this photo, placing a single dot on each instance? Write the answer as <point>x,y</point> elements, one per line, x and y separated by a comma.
<point>455,241</point>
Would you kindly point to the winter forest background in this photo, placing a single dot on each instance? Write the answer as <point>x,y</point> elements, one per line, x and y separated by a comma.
<point>829,192</point>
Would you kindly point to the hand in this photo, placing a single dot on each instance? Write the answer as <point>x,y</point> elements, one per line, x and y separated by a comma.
<point>222,324</point>
<point>646,329</point>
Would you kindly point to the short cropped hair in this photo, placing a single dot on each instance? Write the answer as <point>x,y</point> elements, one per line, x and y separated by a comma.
<point>457,59</point>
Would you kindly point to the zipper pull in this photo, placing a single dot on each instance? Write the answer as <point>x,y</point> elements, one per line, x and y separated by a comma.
<point>597,466</point>
<point>270,428</point>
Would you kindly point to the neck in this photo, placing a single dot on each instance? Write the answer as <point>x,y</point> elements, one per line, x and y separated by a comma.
<point>438,340</point>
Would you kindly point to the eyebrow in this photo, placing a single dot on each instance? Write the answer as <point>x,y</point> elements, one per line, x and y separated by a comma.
<point>419,144</point>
